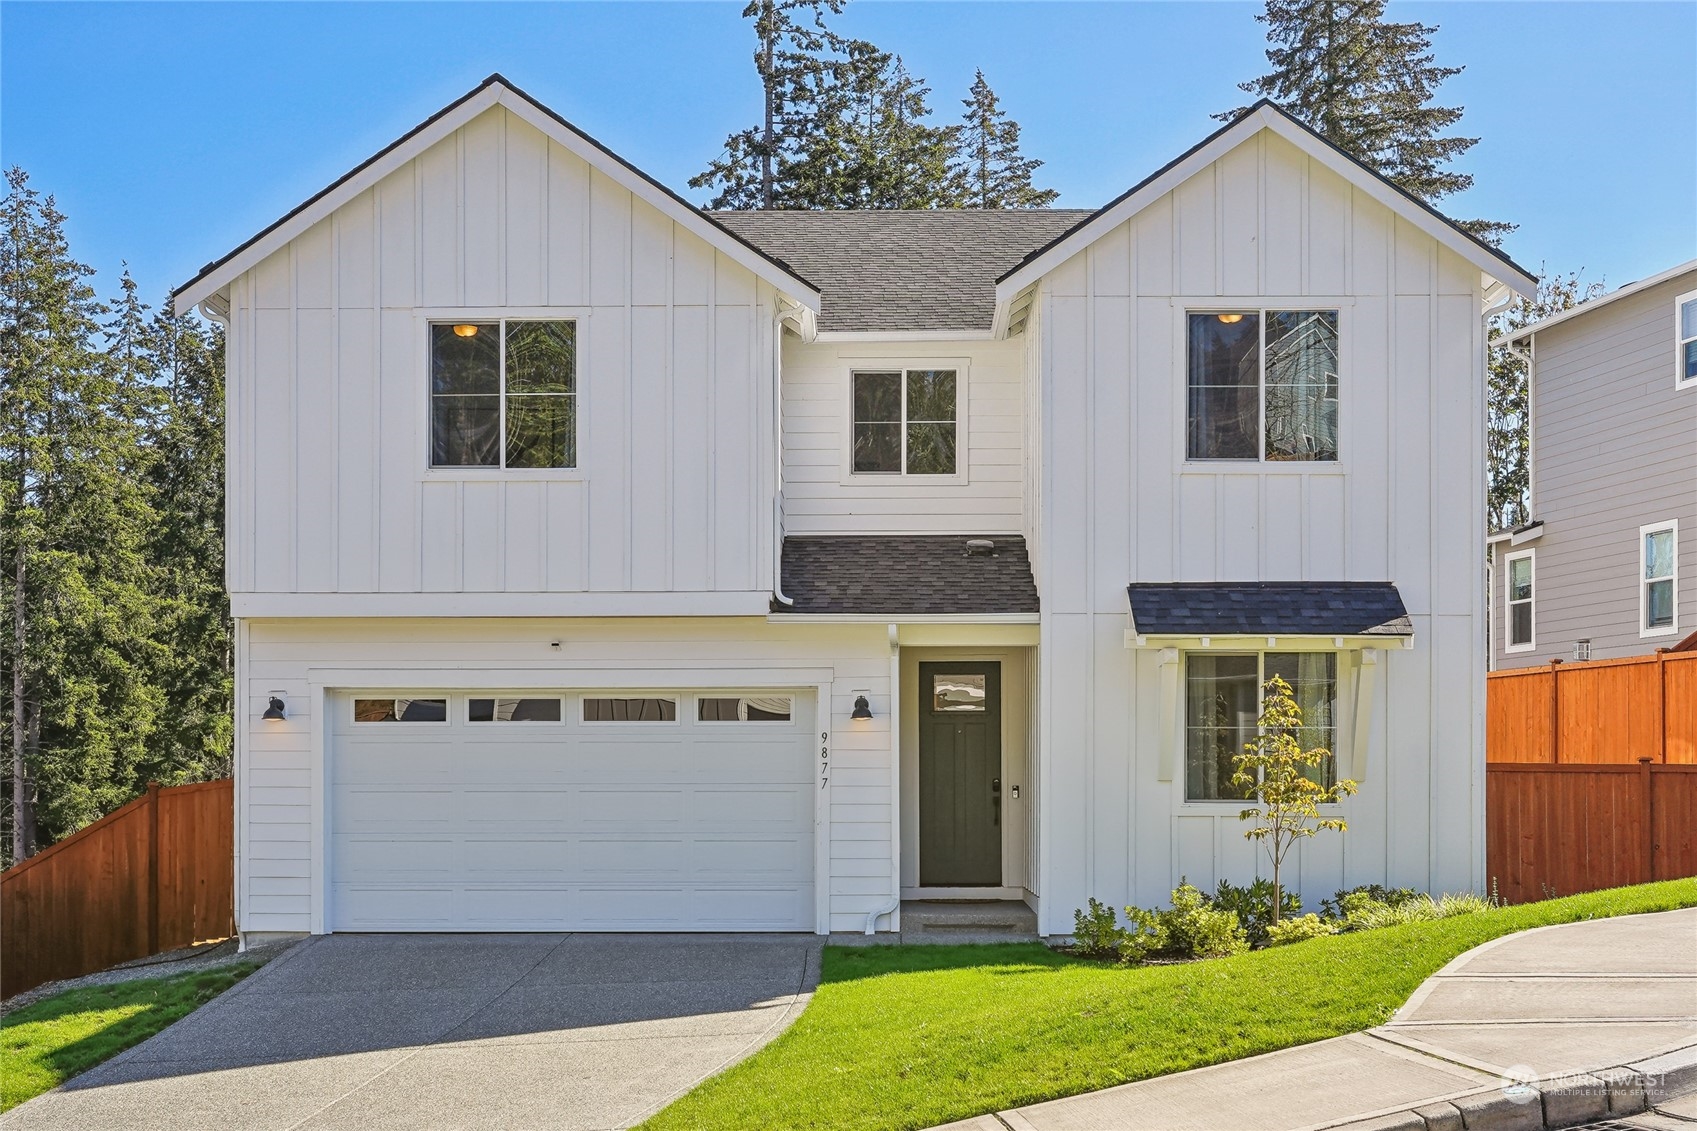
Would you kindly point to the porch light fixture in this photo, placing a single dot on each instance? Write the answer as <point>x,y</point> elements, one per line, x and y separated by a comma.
<point>862,709</point>
<point>274,712</point>
<point>1228,319</point>
<point>465,330</point>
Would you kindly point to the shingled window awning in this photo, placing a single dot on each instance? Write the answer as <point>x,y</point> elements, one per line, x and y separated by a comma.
<point>1269,608</point>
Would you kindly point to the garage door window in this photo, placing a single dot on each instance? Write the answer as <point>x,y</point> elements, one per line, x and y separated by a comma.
<point>630,710</point>
<point>400,710</point>
<point>743,709</point>
<point>514,711</point>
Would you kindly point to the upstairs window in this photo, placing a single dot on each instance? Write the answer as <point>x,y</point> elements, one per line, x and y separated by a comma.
<point>1262,385</point>
<point>1685,335</point>
<point>1658,590</point>
<point>905,422</point>
<point>503,394</point>
<point>1518,624</point>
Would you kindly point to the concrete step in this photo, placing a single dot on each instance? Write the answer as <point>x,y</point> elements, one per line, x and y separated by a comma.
<point>961,921</point>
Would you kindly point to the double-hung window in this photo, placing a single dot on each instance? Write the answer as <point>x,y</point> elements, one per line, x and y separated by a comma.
<point>1658,572</point>
<point>1222,693</point>
<point>905,421</point>
<point>503,394</point>
<point>1518,624</point>
<point>1262,385</point>
<point>1685,340</point>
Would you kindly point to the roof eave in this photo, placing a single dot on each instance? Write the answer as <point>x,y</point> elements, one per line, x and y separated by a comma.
<point>216,277</point>
<point>1597,303</point>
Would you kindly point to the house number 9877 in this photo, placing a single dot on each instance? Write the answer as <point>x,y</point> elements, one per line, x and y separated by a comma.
<point>824,758</point>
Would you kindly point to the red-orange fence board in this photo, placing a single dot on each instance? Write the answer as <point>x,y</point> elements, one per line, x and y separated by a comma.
<point>1603,712</point>
<point>151,876</point>
<point>1558,830</point>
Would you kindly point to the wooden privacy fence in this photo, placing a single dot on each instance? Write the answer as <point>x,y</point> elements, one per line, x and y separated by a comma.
<point>1603,711</point>
<point>151,876</point>
<point>1557,830</point>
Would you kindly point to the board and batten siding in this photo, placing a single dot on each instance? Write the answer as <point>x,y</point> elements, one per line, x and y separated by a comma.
<point>822,497</point>
<point>1264,225</point>
<point>281,778</point>
<point>331,492</point>
<point>1614,448</point>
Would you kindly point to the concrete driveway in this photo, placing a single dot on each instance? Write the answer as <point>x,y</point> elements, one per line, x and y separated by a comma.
<point>452,1031</point>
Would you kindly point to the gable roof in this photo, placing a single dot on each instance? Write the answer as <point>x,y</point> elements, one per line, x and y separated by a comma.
<point>904,270</point>
<point>491,92</point>
<point>1264,115</point>
<point>1586,307</point>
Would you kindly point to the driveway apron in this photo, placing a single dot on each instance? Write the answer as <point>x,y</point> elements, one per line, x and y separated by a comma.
<point>452,1031</point>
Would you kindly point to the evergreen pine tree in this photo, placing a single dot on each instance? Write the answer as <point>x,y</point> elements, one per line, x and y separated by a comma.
<point>1367,85</point>
<point>1508,425</point>
<point>793,57</point>
<point>993,171</point>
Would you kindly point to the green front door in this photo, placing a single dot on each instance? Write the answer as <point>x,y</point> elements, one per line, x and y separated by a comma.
<point>960,775</point>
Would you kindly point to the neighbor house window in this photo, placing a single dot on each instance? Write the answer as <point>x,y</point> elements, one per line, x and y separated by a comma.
<point>389,710</point>
<point>1223,703</point>
<point>630,710</point>
<point>1262,384</point>
<point>1658,570</point>
<point>1685,333</point>
<point>503,394</point>
<point>1518,623</point>
<point>743,709</point>
<point>513,710</point>
<point>905,422</point>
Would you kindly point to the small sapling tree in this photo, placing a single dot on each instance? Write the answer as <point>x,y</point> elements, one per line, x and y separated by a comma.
<point>1280,775</point>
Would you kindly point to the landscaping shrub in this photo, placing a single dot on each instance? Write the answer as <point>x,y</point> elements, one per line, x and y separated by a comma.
<point>1097,933</point>
<point>1333,908</point>
<point>1194,929</point>
<point>1362,913</point>
<point>1308,926</point>
<point>1253,905</point>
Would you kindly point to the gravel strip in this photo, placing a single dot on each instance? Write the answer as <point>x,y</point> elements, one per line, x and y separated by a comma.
<point>207,956</point>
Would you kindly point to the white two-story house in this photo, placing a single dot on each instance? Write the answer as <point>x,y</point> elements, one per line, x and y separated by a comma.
<point>603,564</point>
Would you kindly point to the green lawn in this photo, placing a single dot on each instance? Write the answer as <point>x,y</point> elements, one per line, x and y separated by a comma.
<point>56,1038</point>
<point>908,1037</point>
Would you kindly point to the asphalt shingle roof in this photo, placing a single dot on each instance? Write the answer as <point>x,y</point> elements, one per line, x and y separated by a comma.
<point>1269,608</point>
<point>932,269</point>
<point>906,575</point>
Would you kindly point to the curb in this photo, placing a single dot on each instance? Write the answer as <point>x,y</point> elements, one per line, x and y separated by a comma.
<point>1568,1100</point>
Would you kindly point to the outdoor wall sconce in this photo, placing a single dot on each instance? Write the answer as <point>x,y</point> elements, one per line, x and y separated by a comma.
<point>274,712</point>
<point>862,709</point>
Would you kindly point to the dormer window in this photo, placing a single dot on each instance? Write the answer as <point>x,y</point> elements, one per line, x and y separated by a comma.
<point>503,394</point>
<point>1262,385</point>
<point>906,421</point>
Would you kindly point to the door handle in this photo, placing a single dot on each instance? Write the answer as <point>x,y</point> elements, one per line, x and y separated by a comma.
<point>996,800</point>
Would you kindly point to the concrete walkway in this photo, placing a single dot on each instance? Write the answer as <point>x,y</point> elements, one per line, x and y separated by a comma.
<point>442,1032</point>
<point>1554,1027</point>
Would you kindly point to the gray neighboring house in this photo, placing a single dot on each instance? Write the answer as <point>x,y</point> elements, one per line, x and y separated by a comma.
<point>1607,566</point>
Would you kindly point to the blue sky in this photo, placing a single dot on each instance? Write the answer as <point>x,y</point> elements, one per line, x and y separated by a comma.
<point>172,132</point>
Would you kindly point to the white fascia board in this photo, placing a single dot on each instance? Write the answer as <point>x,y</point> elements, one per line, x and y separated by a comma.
<point>1266,117</point>
<point>1686,268</point>
<point>486,97</point>
<point>730,603</point>
<point>934,618</point>
<point>865,336</point>
<point>1262,642</point>
<point>1530,534</point>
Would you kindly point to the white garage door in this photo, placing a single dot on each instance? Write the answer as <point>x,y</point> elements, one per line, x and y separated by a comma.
<point>591,811</point>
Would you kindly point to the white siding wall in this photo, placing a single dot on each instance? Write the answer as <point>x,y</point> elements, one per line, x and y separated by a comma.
<point>331,492</point>
<point>1263,225</point>
<point>280,770</point>
<point>820,497</point>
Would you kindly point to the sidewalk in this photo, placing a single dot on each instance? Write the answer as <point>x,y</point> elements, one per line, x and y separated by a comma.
<point>1553,1027</point>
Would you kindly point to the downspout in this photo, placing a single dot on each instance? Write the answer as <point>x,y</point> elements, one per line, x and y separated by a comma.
<point>894,903</point>
<point>778,594</point>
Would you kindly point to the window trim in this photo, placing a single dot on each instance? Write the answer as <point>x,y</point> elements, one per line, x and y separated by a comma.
<point>1181,778</point>
<point>425,317</point>
<point>873,363</point>
<point>1259,305</point>
<point>1672,629</point>
<point>1680,380</point>
<point>1509,646</point>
